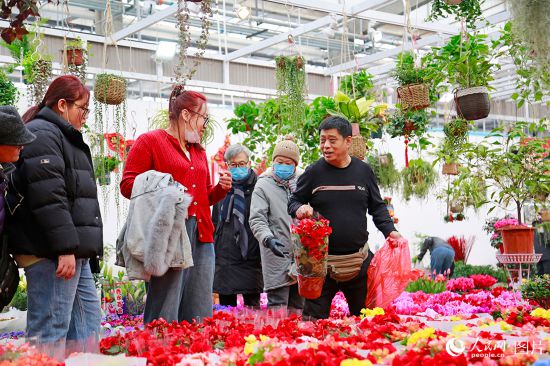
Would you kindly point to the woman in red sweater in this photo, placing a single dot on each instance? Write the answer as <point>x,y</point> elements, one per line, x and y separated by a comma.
<point>182,294</point>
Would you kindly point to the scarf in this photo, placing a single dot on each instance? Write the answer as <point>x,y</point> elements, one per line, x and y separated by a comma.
<point>234,204</point>
<point>289,184</point>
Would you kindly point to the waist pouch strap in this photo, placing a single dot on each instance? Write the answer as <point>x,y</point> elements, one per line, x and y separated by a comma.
<point>345,267</point>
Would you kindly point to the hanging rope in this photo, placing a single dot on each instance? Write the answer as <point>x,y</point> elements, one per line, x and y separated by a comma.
<point>407,151</point>
<point>108,30</point>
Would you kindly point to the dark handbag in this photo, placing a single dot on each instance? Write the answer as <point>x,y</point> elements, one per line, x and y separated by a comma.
<point>9,276</point>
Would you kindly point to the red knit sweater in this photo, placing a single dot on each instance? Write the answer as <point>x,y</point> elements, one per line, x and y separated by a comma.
<point>157,150</point>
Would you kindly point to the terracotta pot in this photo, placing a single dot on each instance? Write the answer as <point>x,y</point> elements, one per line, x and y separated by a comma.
<point>545,215</point>
<point>75,56</point>
<point>310,287</point>
<point>518,239</point>
<point>450,169</point>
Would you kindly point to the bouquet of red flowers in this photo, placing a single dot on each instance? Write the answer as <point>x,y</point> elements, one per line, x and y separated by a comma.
<point>310,251</point>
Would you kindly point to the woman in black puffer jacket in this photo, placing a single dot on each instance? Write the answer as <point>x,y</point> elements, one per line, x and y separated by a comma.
<point>57,230</point>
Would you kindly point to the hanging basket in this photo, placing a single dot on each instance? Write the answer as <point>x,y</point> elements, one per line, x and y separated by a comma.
<point>545,215</point>
<point>473,103</point>
<point>450,169</point>
<point>453,2</point>
<point>358,147</point>
<point>518,239</point>
<point>414,96</point>
<point>110,89</point>
<point>456,207</point>
<point>409,128</point>
<point>75,56</point>
<point>104,180</point>
<point>384,159</point>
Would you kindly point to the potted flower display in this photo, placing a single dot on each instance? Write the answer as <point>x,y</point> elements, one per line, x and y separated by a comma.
<point>76,51</point>
<point>456,134</point>
<point>413,92</point>
<point>310,237</point>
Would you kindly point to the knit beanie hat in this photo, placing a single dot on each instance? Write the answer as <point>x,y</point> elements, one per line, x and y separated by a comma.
<point>288,149</point>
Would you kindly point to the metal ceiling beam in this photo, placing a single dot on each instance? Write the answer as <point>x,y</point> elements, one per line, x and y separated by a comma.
<point>494,19</point>
<point>142,24</point>
<point>308,27</point>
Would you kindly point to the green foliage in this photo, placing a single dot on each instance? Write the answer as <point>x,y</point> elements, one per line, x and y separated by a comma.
<point>466,270</point>
<point>465,61</point>
<point>406,72</point>
<point>418,179</point>
<point>132,291</point>
<point>357,85</point>
<point>8,91</point>
<point>456,131</point>
<point>399,119</point>
<point>291,76</point>
<point>19,300</point>
<point>426,285</point>
<point>468,10</point>
<point>533,81</point>
<point>104,164</point>
<point>161,121</point>
<point>387,175</point>
<point>538,289</point>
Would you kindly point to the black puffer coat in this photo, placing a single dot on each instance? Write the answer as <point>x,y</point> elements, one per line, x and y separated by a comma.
<point>234,274</point>
<point>59,213</point>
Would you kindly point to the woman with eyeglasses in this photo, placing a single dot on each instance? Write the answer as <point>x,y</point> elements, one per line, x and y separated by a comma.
<point>238,261</point>
<point>182,294</point>
<point>55,230</point>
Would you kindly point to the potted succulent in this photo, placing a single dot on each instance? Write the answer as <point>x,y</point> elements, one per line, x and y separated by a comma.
<point>413,91</point>
<point>463,10</point>
<point>103,166</point>
<point>466,62</point>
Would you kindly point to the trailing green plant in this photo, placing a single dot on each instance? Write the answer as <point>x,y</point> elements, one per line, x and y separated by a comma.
<point>466,61</point>
<point>447,152</point>
<point>316,112</point>
<point>387,175</point>
<point>291,77</point>
<point>418,179</point>
<point>357,85</point>
<point>466,270</point>
<point>406,72</point>
<point>527,18</point>
<point>468,11</point>
<point>8,91</point>
<point>533,81</point>
<point>410,123</point>
<point>161,121</point>
<point>426,285</point>
<point>470,188</point>
<point>456,131</point>
<point>105,164</point>
<point>538,289</point>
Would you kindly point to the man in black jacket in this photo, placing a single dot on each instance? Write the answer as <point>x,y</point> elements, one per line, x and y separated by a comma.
<point>342,189</point>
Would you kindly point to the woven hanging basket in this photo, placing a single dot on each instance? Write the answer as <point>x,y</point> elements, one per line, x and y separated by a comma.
<point>358,147</point>
<point>456,207</point>
<point>545,215</point>
<point>110,89</point>
<point>453,2</point>
<point>472,103</point>
<point>450,169</point>
<point>414,96</point>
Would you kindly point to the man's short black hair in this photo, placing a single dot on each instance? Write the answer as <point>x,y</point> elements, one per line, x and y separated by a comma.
<point>341,124</point>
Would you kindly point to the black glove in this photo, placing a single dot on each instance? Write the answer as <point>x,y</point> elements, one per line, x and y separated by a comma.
<point>276,247</point>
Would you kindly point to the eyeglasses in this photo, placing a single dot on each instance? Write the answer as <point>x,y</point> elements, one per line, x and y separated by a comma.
<point>83,109</point>
<point>240,164</point>
<point>206,117</point>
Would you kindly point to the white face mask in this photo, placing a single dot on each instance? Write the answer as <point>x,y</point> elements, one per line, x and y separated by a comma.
<point>192,137</point>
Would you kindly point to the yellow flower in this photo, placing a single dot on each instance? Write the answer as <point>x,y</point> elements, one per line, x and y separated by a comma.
<point>371,312</point>
<point>505,326</point>
<point>264,338</point>
<point>421,334</point>
<point>355,362</point>
<point>455,318</point>
<point>460,328</point>
<point>541,313</point>
<point>250,344</point>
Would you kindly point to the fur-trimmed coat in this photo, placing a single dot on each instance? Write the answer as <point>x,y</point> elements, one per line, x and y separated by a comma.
<point>154,237</point>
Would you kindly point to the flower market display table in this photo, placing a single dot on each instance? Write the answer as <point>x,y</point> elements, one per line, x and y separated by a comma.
<point>515,264</point>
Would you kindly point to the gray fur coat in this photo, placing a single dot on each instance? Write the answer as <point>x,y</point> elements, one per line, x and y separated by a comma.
<point>154,237</point>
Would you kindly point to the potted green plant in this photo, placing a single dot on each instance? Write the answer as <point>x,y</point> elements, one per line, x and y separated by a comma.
<point>537,289</point>
<point>8,91</point>
<point>103,166</point>
<point>290,73</point>
<point>413,91</point>
<point>76,51</point>
<point>246,117</point>
<point>409,123</point>
<point>463,10</point>
<point>418,179</point>
<point>387,175</point>
<point>467,62</point>
<point>357,85</point>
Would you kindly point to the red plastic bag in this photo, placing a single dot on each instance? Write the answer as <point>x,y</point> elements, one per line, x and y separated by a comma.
<point>389,273</point>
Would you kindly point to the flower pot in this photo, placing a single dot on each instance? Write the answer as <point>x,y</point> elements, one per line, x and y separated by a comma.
<point>453,2</point>
<point>358,147</point>
<point>310,287</point>
<point>299,62</point>
<point>456,207</point>
<point>472,103</point>
<point>450,169</point>
<point>545,215</point>
<point>110,89</point>
<point>414,96</point>
<point>104,180</point>
<point>75,56</point>
<point>518,239</point>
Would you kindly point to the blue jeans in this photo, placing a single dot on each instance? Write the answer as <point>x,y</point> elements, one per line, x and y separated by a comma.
<point>59,309</point>
<point>184,294</point>
<point>441,260</point>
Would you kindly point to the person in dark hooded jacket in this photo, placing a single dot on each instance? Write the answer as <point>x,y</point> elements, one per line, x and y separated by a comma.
<point>56,228</point>
<point>238,261</point>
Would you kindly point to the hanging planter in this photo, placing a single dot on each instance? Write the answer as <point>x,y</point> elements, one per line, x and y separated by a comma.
<point>103,166</point>
<point>545,215</point>
<point>453,2</point>
<point>450,168</point>
<point>41,75</point>
<point>291,76</point>
<point>414,96</point>
<point>75,56</point>
<point>473,103</point>
<point>413,93</point>
<point>418,179</point>
<point>384,169</point>
<point>456,207</point>
<point>110,89</point>
<point>358,147</point>
<point>518,239</point>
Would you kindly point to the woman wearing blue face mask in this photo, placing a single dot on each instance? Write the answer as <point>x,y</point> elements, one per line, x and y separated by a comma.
<point>238,263</point>
<point>270,223</point>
